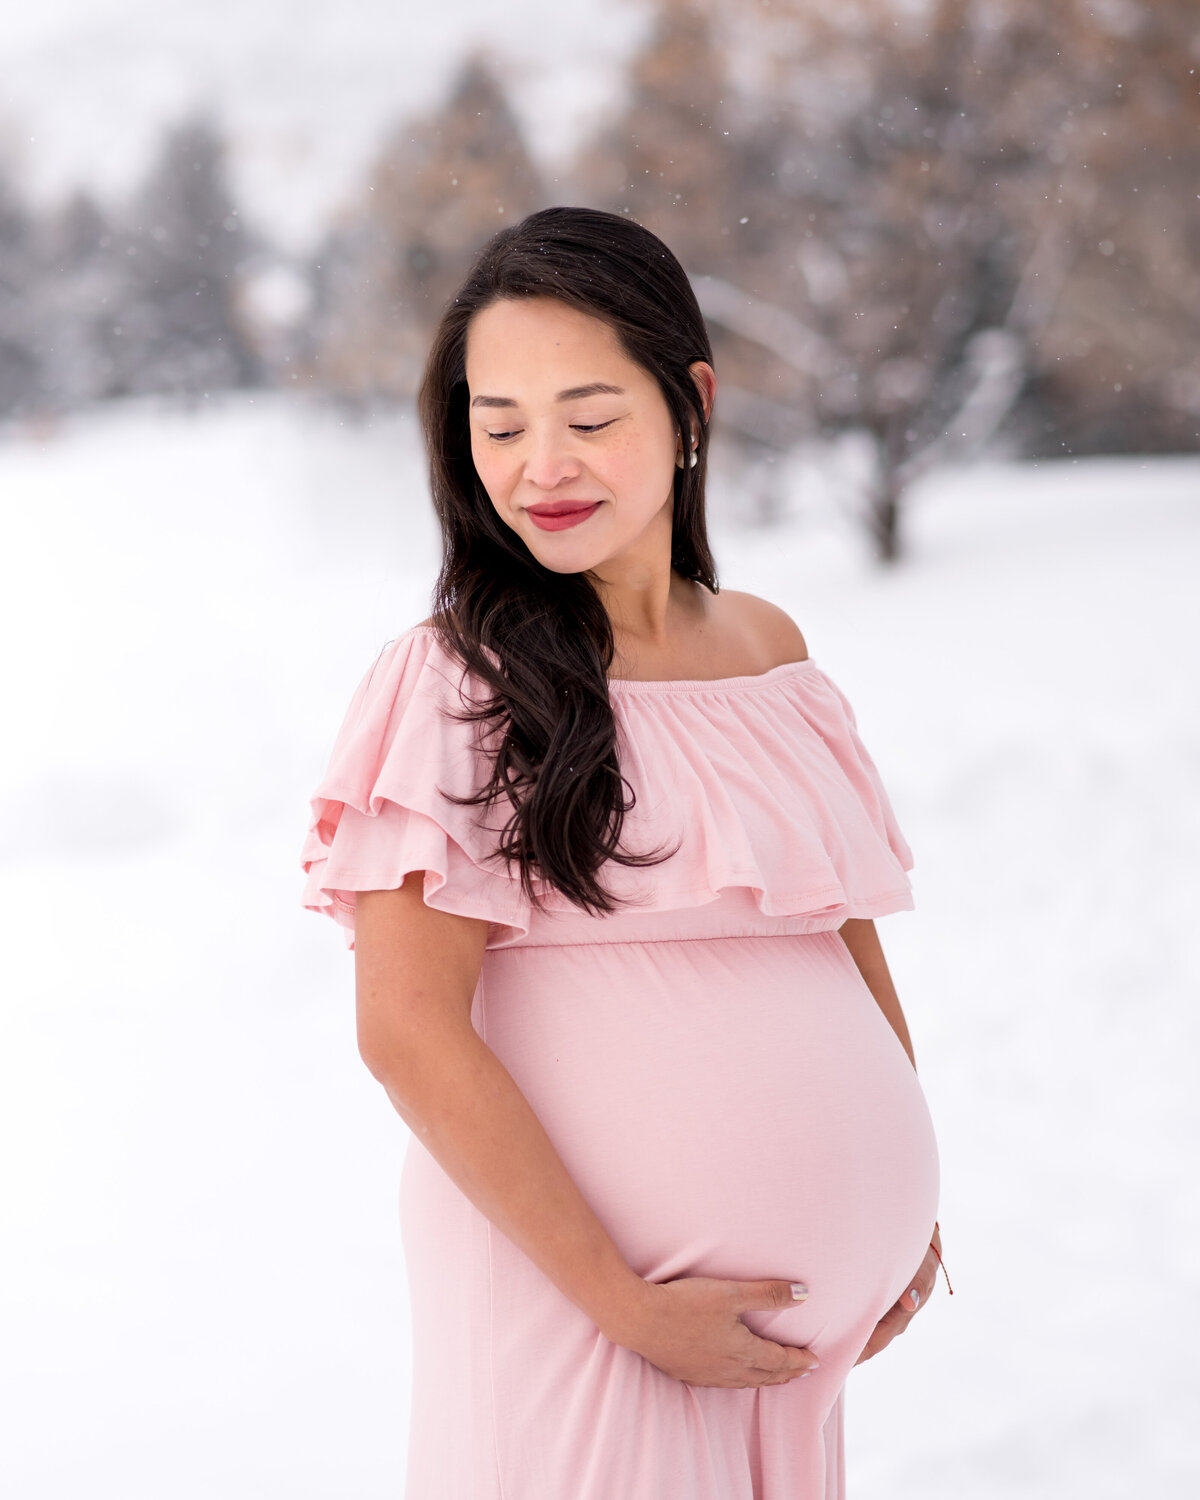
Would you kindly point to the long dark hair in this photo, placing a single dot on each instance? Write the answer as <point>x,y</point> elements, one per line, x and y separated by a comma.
<point>543,641</point>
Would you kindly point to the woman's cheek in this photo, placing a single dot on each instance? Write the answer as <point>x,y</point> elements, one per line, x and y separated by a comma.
<point>486,468</point>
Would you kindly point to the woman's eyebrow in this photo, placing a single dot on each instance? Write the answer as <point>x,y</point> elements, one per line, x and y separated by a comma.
<point>575,393</point>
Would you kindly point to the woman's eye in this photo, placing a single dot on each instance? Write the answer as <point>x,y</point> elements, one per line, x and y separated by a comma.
<point>503,437</point>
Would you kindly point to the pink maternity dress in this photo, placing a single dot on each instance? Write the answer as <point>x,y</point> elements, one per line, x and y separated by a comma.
<point>711,1067</point>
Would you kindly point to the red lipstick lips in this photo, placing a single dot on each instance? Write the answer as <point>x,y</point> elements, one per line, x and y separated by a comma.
<point>558,515</point>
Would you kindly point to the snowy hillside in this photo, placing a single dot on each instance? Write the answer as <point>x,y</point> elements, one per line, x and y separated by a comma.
<point>203,1289</point>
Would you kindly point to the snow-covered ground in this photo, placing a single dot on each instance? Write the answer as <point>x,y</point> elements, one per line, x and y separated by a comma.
<point>203,1290</point>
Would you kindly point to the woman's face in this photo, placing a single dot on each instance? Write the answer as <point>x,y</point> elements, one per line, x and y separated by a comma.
<point>560,414</point>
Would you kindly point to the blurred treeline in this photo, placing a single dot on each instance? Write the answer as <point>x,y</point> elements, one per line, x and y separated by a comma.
<point>938,227</point>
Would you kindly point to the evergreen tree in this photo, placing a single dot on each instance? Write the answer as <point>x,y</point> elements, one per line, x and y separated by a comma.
<point>182,243</point>
<point>441,186</point>
<point>82,284</point>
<point>670,158</point>
<point>19,367</point>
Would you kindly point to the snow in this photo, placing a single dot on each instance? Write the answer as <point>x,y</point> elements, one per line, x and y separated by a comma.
<point>203,1288</point>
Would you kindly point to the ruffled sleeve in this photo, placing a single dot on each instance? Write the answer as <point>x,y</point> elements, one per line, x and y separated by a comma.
<point>377,813</point>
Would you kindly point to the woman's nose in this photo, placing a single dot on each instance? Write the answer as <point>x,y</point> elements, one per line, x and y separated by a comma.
<point>549,460</point>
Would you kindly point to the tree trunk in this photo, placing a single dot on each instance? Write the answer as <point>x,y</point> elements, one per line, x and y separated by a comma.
<point>886,496</point>
<point>885,517</point>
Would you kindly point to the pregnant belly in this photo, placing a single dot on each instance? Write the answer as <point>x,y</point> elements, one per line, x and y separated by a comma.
<point>734,1107</point>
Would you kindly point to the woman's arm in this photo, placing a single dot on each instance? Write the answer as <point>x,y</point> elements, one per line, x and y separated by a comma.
<point>859,935</point>
<point>416,971</point>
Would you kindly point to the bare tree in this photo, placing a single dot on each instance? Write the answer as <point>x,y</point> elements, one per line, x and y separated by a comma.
<point>911,273</point>
<point>920,200</point>
<point>1117,368</point>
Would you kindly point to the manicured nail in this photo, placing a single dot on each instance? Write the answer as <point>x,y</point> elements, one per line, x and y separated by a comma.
<point>916,1298</point>
<point>799,1291</point>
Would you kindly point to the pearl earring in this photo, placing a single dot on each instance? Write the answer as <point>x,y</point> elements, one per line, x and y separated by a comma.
<point>692,459</point>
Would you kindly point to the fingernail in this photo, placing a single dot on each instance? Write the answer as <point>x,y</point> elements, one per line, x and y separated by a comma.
<point>916,1298</point>
<point>804,1374</point>
<point>799,1291</point>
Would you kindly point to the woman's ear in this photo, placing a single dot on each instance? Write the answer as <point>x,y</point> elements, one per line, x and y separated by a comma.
<point>706,383</point>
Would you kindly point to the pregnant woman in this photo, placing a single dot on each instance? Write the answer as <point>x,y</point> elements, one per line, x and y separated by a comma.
<point>608,848</point>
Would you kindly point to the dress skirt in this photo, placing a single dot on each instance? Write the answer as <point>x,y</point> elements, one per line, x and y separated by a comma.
<point>734,1107</point>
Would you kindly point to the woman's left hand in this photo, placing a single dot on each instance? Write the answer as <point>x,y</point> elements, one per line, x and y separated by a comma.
<point>898,1316</point>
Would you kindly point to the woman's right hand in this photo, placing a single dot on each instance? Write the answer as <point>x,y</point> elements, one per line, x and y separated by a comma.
<point>691,1329</point>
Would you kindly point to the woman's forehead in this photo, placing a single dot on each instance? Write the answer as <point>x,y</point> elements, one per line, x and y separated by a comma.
<point>537,318</point>
<point>547,344</point>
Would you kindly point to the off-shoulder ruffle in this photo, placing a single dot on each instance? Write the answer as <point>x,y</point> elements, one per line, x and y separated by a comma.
<point>769,783</point>
<point>765,779</point>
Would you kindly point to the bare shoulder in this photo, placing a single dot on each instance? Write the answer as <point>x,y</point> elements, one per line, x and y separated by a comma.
<point>769,631</point>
